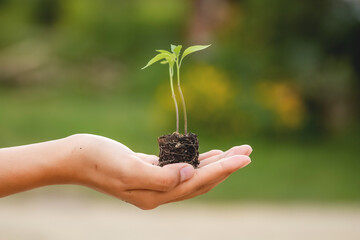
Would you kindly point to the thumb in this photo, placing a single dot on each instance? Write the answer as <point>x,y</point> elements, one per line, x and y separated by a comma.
<point>162,178</point>
<point>186,171</point>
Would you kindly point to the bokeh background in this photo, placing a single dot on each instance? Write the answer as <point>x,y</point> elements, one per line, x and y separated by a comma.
<point>282,76</point>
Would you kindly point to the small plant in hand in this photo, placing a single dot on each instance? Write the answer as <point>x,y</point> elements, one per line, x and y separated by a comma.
<point>177,147</point>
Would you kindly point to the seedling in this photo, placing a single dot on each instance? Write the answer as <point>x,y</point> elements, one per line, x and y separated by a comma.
<point>177,147</point>
<point>173,58</point>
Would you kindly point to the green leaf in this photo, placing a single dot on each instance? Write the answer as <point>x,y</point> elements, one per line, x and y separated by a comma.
<point>158,57</point>
<point>164,51</point>
<point>164,62</point>
<point>177,50</point>
<point>193,49</point>
<point>173,47</point>
<point>170,56</point>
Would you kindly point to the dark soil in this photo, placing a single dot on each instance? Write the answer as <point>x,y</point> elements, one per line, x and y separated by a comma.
<point>176,148</point>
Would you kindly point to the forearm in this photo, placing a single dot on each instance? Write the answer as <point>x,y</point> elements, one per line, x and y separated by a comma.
<point>30,166</point>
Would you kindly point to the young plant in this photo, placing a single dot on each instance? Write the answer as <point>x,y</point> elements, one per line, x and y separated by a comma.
<point>175,58</point>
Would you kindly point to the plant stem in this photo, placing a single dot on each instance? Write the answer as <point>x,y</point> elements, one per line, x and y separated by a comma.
<point>174,98</point>
<point>182,97</point>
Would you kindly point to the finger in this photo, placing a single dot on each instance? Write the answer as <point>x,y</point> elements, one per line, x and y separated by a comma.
<point>202,191</point>
<point>152,159</point>
<point>207,176</point>
<point>209,154</point>
<point>150,177</point>
<point>237,150</point>
<point>240,150</point>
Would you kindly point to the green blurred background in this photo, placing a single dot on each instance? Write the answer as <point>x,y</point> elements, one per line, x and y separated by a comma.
<point>282,76</point>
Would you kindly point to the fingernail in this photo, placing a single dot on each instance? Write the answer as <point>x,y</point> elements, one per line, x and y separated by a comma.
<point>245,164</point>
<point>186,173</point>
<point>250,149</point>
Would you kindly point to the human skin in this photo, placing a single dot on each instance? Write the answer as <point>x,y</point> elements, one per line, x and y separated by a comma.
<point>112,168</point>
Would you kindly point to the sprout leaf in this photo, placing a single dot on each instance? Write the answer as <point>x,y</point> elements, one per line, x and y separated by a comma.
<point>177,50</point>
<point>164,51</point>
<point>158,57</point>
<point>193,49</point>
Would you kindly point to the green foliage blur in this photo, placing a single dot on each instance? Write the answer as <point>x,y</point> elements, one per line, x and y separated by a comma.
<point>282,76</point>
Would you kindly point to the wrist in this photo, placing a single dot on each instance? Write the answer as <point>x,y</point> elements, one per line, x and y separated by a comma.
<point>59,165</point>
<point>74,166</point>
<point>69,164</point>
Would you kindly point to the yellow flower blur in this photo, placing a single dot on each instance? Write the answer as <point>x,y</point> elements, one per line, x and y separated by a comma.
<point>284,101</point>
<point>206,90</point>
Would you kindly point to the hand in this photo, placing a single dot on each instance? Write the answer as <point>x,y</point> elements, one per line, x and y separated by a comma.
<point>110,167</point>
